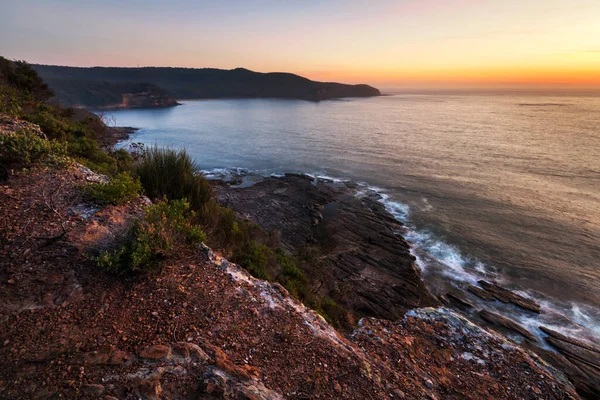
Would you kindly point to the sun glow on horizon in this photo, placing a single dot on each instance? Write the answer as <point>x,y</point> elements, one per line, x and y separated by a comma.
<point>411,43</point>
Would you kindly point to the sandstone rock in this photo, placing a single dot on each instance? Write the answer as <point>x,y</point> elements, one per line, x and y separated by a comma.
<point>217,382</point>
<point>481,293</point>
<point>459,300</point>
<point>184,352</point>
<point>156,352</point>
<point>196,353</point>
<point>10,126</point>
<point>90,175</point>
<point>506,296</point>
<point>506,323</point>
<point>585,379</point>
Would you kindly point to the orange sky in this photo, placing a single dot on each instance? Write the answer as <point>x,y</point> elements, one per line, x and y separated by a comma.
<point>387,43</point>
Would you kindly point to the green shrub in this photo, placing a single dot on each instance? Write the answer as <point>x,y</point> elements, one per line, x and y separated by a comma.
<point>335,314</point>
<point>118,190</point>
<point>22,76</point>
<point>257,258</point>
<point>291,276</point>
<point>166,227</point>
<point>123,159</point>
<point>9,100</point>
<point>88,152</point>
<point>26,147</point>
<point>52,124</point>
<point>173,174</point>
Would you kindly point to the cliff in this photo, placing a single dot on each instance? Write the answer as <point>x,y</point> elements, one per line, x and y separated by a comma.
<point>203,327</point>
<point>91,86</point>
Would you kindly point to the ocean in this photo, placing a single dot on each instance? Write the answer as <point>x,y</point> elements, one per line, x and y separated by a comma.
<point>498,186</point>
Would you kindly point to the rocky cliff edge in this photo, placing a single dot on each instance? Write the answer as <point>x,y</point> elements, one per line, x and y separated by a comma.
<point>204,328</point>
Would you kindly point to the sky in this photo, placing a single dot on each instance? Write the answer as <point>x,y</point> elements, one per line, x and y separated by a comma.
<point>401,43</point>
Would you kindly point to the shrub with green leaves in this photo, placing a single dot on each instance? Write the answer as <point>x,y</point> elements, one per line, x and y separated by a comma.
<point>173,174</point>
<point>9,100</point>
<point>26,147</point>
<point>165,228</point>
<point>257,258</point>
<point>335,314</point>
<point>120,189</point>
<point>291,276</point>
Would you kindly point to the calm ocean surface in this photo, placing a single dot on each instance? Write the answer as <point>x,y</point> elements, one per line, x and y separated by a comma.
<point>504,187</point>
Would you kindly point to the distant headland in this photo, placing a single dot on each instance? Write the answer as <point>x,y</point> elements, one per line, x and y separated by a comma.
<point>154,87</point>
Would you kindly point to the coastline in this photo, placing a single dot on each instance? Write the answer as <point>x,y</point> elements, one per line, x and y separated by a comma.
<point>488,304</point>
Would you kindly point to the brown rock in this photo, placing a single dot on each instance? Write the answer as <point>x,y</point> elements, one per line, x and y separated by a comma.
<point>156,352</point>
<point>457,299</point>
<point>506,296</point>
<point>196,353</point>
<point>360,260</point>
<point>481,293</point>
<point>506,323</point>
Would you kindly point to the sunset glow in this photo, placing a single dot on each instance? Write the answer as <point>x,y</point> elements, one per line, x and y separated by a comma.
<point>424,43</point>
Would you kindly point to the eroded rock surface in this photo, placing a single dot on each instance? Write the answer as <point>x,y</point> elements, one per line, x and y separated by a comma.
<point>366,265</point>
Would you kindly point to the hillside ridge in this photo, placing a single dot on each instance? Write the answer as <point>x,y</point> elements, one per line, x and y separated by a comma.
<point>78,85</point>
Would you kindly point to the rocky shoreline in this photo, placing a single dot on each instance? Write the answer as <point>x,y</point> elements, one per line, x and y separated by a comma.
<point>202,327</point>
<point>366,264</point>
<point>360,260</point>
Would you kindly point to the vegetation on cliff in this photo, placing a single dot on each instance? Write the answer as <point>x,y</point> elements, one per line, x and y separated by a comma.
<point>170,177</point>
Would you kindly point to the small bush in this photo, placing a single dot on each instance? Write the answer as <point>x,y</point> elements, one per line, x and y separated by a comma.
<point>166,227</point>
<point>173,174</point>
<point>26,147</point>
<point>335,314</point>
<point>9,100</point>
<point>291,276</point>
<point>119,190</point>
<point>257,258</point>
<point>124,160</point>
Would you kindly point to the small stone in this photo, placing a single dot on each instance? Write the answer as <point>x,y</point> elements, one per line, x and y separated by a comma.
<point>196,353</point>
<point>156,352</point>
<point>11,281</point>
<point>428,383</point>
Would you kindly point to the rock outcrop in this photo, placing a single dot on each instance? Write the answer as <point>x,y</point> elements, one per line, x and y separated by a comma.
<point>364,263</point>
